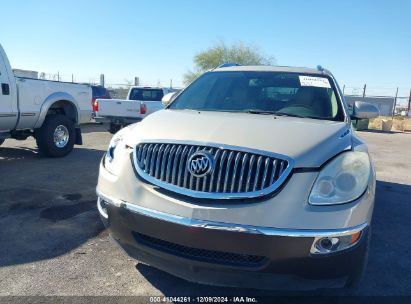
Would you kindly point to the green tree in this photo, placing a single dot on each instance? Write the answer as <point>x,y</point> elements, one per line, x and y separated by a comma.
<point>221,53</point>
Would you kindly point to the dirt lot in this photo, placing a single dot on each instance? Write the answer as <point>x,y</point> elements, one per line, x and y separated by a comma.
<point>53,243</point>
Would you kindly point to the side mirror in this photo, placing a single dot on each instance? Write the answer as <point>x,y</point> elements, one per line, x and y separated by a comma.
<point>168,98</point>
<point>363,110</point>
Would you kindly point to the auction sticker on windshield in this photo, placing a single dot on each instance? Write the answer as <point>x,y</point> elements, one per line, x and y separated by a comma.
<point>311,81</point>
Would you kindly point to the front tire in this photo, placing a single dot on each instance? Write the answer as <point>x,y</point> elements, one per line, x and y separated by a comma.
<point>57,136</point>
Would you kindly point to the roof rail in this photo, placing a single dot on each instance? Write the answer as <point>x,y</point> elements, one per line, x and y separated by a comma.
<point>227,64</point>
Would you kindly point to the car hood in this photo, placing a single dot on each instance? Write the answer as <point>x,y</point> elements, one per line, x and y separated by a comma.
<point>310,142</point>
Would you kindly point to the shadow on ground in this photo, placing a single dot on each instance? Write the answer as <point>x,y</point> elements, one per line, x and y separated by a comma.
<point>389,266</point>
<point>7,153</point>
<point>44,225</point>
<point>94,127</point>
<point>47,206</point>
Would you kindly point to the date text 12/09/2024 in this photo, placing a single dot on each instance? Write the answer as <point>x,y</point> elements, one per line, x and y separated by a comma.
<point>236,299</point>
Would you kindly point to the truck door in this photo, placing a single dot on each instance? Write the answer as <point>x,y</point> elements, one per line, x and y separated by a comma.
<point>8,116</point>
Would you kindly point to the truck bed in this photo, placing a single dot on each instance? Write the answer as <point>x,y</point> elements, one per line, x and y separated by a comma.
<point>123,108</point>
<point>33,93</point>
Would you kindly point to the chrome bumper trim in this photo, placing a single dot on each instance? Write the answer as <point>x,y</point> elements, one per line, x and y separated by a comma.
<point>190,222</point>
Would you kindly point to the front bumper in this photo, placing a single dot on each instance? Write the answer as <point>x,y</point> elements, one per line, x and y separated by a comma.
<point>230,255</point>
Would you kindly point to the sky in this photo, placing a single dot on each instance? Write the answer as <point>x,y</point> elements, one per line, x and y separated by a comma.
<point>362,41</point>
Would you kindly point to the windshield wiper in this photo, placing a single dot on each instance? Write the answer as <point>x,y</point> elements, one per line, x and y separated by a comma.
<point>290,115</point>
<point>253,111</point>
<point>301,116</point>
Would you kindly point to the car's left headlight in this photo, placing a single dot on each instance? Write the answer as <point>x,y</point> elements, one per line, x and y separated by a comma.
<point>342,180</point>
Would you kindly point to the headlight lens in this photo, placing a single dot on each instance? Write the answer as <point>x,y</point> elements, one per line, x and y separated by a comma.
<point>111,159</point>
<point>342,180</point>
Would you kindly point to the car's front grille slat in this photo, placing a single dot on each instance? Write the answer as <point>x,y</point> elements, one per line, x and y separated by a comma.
<point>273,171</point>
<point>181,168</point>
<point>235,173</point>
<point>243,172</point>
<point>153,159</point>
<point>147,159</point>
<point>266,167</point>
<point>250,169</point>
<point>186,176</point>
<point>228,170</point>
<point>175,165</point>
<point>159,161</point>
<point>281,168</point>
<point>217,155</point>
<point>220,170</point>
<point>257,173</point>
<point>164,162</point>
<point>167,177</point>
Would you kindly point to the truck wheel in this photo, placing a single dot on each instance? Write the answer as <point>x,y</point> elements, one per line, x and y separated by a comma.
<point>1,141</point>
<point>56,136</point>
<point>114,128</point>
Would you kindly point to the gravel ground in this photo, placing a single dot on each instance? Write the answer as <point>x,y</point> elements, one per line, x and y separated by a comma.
<point>53,243</point>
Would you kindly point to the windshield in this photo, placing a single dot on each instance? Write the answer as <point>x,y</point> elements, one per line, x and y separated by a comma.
<point>280,93</point>
<point>146,94</point>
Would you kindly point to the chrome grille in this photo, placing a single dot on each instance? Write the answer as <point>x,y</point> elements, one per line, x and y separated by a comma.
<point>237,172</point>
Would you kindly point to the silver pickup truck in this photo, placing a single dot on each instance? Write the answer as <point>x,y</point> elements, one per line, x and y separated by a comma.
<point>51,111</point>
<point>253,176</point>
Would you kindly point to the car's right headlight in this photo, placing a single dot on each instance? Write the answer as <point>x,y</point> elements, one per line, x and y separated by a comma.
<point>113,153</point>
<point>342,180</point>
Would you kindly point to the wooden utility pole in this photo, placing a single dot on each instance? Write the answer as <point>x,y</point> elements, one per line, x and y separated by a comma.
<point>102,82</point>
<point>395,103</point>
<point>343,89</point>
<point>363,91</point>
<point>409,104</point>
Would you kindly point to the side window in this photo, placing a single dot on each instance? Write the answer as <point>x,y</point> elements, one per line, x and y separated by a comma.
<point>198,94</point>
<point>334,103</point>
<point>158,95</point>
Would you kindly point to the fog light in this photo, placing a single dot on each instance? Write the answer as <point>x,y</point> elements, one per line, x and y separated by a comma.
<point>327,243</point>
<point>102,207</point>
<point>324,245</point>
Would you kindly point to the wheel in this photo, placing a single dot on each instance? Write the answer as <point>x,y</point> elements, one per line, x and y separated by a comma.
<point>1,141</point>
<point>114,128</point>
<point>354,279</point>
<point>56,136</point>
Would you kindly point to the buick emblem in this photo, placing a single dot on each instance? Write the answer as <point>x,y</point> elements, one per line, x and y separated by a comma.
<point>200,164</point>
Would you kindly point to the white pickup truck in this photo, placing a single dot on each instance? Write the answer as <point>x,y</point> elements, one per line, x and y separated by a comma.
<point>51,111</point>
<point>140,102</point>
